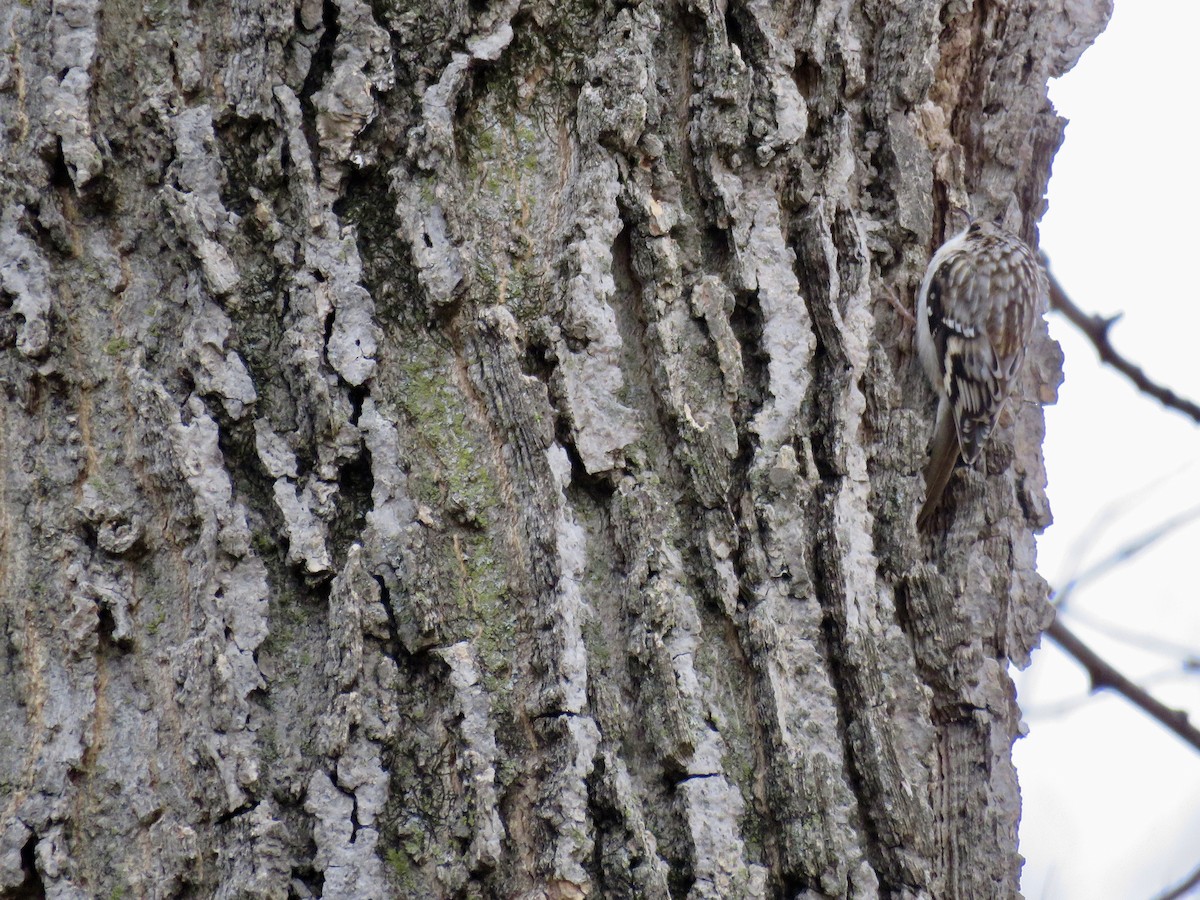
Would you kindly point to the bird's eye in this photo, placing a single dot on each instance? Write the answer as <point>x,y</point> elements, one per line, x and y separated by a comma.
<point>974,228</point>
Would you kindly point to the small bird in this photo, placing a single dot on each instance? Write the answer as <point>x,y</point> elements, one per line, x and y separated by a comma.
<point>975,312</point>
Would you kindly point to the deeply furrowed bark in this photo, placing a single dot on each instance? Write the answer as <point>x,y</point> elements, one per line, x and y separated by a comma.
<point>466,449</point>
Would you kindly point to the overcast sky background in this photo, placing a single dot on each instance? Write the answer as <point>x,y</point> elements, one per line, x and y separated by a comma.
<point>1111,798</point>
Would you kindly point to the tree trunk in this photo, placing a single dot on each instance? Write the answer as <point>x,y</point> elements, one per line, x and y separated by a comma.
<point>465,449</point>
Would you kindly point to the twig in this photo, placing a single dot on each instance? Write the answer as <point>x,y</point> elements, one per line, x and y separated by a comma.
<point>1096,329</point>
<point>1126,552</point>
<point>1067,705</point>
<point>1112,512</point>
<point>1185,654</point>
<point>1103,675</point>
<point>1183,888</point>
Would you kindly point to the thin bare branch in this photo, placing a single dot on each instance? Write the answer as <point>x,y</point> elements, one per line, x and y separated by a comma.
<point>1183,888</point>
<point>1058,708</point>
<point>1096,329</point>
<point>1112,512</point>
<point>1103,675</point>
<point>1126,552</point>
<point>1184,654</point>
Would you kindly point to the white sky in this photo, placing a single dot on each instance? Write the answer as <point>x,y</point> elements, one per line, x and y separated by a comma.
<point>1112,799</point>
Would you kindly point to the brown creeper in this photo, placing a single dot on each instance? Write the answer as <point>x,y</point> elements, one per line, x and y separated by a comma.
<point>978,300</point>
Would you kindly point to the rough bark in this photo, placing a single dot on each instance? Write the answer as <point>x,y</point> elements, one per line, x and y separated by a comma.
<point>464,449</point>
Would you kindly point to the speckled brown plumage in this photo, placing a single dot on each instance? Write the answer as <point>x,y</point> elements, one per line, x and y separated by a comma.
<point>975,311</point>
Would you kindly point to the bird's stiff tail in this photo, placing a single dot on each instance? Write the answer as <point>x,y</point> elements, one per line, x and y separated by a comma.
<point>942,459</point>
